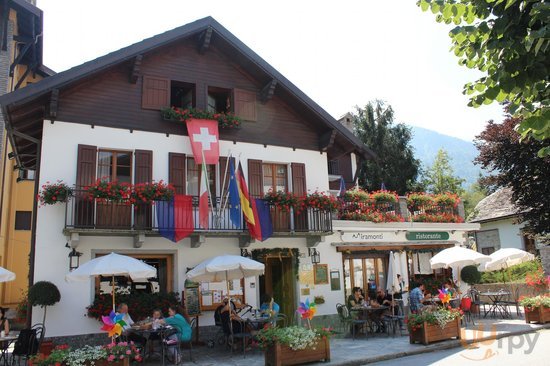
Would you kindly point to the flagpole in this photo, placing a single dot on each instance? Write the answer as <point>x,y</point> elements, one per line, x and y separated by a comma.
<point>224,204</point>
<point>205,173</point>
<point>223,194</point>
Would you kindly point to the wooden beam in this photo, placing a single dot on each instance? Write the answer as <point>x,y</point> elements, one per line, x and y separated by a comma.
<point>135,72</point>
<point>326,140</point>
<point>267,91</point>
<point>4,25</point>
<point>54,102</point>
<point>204,40</point>
<point>25,136</point>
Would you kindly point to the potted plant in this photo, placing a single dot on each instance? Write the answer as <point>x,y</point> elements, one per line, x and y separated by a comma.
<point>52,193</point>
<point>434,325</point>
<point>282,200</point>
<point>471,276</point>
<point>146,193</point>
<point>294,345</point>
<point>44,294</point>
<point>537,308</point>
<point>384,197</point>
<point>320,200</point>
<point>225,120</point>
<point>416,201</point>
<point>446,199</point>
<point>105,190</point>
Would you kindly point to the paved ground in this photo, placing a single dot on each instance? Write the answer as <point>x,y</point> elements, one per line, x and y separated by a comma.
<point>345,351</point>
<point>528,349</point>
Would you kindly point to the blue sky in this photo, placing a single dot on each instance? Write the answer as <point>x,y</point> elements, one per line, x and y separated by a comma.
<point>340,53</point>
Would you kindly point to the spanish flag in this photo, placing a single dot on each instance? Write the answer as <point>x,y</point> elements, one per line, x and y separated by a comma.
<point>248,205</point>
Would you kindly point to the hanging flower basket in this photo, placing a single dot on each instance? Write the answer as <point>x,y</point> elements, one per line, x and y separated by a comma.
<point>225,120</point>
<point>50,194</point>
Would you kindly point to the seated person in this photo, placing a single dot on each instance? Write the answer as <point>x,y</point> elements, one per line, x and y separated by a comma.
<point>4,322</point>
<point>383,298</point>
<point>157,317</point>
<point>269,307</point>
<point>417,298</point>
<point>127,332</point>
<point>356,298</point>
<point>178,319</point>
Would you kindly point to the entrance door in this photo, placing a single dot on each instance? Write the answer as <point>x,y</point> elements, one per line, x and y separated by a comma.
<point>279,281</point>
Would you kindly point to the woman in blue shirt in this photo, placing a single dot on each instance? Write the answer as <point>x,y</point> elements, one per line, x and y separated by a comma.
<point>269,307</point>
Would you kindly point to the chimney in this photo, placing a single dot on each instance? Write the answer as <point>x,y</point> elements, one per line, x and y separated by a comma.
<point>347,121</point>
<point>32,2</point>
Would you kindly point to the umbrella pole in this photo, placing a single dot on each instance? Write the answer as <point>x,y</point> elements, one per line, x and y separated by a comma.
<point>113,290</point>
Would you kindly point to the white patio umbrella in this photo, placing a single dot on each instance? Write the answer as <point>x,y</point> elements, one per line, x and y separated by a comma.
<point>457,257</point>
<point>5,275</point>
<point>393,269</point>
<point>112,265</point>
<point>507,257</point>
<point>225,268</point>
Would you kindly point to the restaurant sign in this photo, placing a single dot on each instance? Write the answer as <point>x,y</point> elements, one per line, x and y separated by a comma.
<point>427,235</point>
<point>367,236</point>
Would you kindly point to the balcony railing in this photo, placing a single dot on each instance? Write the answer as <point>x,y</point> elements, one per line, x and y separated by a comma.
<point>333,167</point>
<point>83,213</point>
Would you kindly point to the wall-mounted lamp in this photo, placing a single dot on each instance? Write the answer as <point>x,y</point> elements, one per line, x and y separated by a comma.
<point>315,255</point>
<point>74,259</point>
<point>11,155</point>
<point>245,253</point>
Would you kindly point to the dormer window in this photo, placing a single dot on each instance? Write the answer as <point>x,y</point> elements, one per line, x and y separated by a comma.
<point>219,100</point>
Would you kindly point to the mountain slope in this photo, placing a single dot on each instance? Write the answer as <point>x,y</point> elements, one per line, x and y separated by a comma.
<point>426,143</point>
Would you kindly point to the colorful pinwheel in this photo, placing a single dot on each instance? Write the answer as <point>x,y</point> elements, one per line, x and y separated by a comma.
<point>113,324</point>
<point>307,310</point>
<point>444,295</point>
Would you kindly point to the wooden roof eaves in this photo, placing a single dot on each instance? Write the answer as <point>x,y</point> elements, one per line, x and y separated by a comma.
<point>79,72</point>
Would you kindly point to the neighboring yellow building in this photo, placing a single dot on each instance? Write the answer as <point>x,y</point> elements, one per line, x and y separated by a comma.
<point>20,65</point>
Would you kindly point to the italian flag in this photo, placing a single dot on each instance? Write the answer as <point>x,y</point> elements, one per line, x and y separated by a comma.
<point>203,198</point>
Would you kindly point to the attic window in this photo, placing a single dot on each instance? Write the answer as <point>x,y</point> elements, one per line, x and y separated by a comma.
<point>219,100</point>
<point>182,95</point>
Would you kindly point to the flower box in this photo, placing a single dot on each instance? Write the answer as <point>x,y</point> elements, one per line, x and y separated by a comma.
<point>429,333</point>
<point>280,355</point>
<point>539,314</point>
<point>124,362</point>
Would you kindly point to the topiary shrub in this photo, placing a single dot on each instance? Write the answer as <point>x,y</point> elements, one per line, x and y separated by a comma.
<point>43,294</point>
<point>470,275</point>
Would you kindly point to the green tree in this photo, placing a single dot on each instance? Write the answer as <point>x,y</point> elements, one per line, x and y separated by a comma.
<point>395,165</point>
<point>439,177</point>
<point>471,197</point>
<point>509,41</point>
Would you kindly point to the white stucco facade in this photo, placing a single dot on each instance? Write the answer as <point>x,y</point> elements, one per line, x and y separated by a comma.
<point>509,233</point>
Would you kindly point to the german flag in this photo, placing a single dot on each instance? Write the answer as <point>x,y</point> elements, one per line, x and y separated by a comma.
<point>248,205</point>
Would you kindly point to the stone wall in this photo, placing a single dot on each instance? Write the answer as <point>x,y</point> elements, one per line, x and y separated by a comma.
<point>545,259</point>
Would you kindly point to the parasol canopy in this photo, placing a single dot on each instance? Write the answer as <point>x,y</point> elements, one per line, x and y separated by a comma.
<point>5,275</point>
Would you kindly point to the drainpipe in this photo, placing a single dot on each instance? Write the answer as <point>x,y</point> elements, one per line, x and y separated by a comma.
<point>32,252</point>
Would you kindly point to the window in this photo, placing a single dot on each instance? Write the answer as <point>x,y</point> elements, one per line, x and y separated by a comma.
<point>488,250</point>
<point>194,176</point>
<point>275,177</point>
<point>27,174</point>
<point>115,165</point>
<point>529,243</point>
<point>219,100</point>
<point>182,95</point>
<point>367,273</point>
<point>23,220</point>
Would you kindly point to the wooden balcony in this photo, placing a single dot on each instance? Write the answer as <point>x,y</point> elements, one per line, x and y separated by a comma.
<point>100,217</point>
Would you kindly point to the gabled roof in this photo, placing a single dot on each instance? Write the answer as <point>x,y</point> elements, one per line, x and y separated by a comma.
<point>496,206</point>
<point>73,75</point>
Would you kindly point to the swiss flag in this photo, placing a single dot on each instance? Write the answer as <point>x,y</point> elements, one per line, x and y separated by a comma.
<point>204,136</point>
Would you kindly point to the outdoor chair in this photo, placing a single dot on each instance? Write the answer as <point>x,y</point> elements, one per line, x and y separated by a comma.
<point>281,318</point>
<point>512,300</point>
<point>220,337</point>
<point>397,319</point>
<point>347,320</point>
<point>189,343</point>
<point>238,331</point>
<point>474,295</point>
<point>466,306</point>
<point>25,346</point>
<point>170,345</point>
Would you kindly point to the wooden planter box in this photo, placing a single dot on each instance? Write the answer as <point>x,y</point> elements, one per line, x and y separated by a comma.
<point>539,314</point>
<point>279,355</point>
<point>125,362</point>
<point>432,332</point>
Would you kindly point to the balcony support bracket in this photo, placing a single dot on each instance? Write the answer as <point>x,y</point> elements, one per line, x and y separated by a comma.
<point>139,239</point>
<point>245,241</point>
<point>314,240</point>
<point>196,241</point>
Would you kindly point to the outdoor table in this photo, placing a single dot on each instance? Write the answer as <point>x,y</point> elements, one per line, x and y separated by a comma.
<point>147,333</point>
<point>5,343</point>
<point>372,314</point>
<point>496,298</point>
<point>258,322</point>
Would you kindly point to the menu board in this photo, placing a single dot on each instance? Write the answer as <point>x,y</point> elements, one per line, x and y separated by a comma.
<point>191,300</point>
<point>320,274</point>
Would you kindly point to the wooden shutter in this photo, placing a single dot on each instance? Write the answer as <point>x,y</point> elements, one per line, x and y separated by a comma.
<point>299,178</point>
<point>144,166</point>
<point>155,93</point>
<point>255,178</point>
<point>245,104</point>
<point>299,188</point>
<point>176,171</point>
<point>86,166</point>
